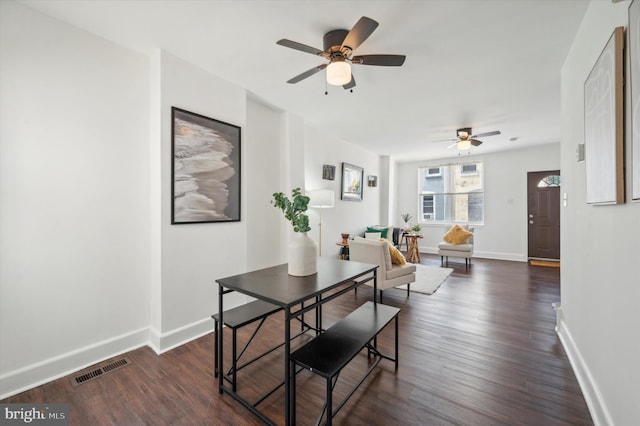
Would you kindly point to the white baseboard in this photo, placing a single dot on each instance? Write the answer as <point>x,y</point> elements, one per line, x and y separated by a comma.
<point>179,336</point>
<point>483,254</point>
<point>48,370</point>
<point>514,257</point>
<point>154,340</point>
<point>589,387</point>
<point>45,371</point>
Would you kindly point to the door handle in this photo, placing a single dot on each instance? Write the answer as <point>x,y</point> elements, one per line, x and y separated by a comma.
<point>530,222</point>
<point>530,216</point>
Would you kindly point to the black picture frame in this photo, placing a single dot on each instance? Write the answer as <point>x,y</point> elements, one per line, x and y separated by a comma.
<point>205,169</point>
<point>352,180</point>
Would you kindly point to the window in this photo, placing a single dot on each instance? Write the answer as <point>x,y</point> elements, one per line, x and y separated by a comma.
<point>451,193</point>
<point>549,181</point>
<point>428,207</point>
<point>433,172</point>
<point>469,169</point>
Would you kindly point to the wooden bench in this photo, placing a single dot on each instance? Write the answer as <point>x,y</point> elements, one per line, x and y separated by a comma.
<point>327,354</point>
<point>234,319</point>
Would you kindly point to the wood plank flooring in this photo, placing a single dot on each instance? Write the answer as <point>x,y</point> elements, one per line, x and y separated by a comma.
<point>480,351</point>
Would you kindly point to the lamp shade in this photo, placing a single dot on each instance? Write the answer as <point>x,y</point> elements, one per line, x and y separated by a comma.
<point>338,73</point>
<point>321,198</point>
<point>462,145</point>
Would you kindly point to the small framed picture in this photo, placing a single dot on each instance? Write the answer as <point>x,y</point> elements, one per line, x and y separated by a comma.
<point>328,172</point>
<point>352,177</point>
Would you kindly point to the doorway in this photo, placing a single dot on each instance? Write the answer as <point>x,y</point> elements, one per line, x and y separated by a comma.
<point>543,215</point>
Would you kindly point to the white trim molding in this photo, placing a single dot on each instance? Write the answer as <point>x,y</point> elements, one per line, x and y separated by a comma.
<point>515,257</point>
<point>592,395</point>
<point>46,371</point>
<point>51,369</point>
<point>164,342</point>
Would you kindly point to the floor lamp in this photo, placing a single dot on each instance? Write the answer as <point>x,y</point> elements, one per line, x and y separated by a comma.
<point>321,199</point>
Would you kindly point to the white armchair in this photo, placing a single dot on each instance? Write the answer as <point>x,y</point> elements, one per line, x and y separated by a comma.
<point>463,249</point>
<point>377,252</point>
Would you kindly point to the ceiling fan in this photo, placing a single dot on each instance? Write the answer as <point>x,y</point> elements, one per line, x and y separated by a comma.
<point>466,139</point>
<point>338,49</point>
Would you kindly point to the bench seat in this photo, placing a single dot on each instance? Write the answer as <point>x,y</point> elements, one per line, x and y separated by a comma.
<point>328,353</point>
<point>237,317</point>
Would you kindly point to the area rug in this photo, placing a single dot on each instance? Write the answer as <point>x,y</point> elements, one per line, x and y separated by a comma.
<point>428,279</point>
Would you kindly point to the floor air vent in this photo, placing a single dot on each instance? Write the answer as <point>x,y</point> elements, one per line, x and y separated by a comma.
<point>93,373</point>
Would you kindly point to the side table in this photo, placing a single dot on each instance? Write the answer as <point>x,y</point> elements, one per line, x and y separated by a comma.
<point>344,251</point>
<point>413,251</point>
<point>404,233</point>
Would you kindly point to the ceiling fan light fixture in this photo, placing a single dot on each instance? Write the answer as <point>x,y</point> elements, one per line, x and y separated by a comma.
<point>464,133</point>
<point>338,73</point>
<point>463,145</point>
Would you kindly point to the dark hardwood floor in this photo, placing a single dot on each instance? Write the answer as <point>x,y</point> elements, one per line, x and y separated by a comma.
<point>480,351</point>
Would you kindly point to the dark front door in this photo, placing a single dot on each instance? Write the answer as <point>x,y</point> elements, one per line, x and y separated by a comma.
<point>543,217</point>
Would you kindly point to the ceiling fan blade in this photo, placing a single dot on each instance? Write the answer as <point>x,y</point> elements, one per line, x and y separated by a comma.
<point>383,60</point>
<point>351,84</point>
<point>484,135</point>
<point>306,74</point>
<point>359,33</point>
<point>475,142</point>
<point>447,140</point>
<point>302,47</point>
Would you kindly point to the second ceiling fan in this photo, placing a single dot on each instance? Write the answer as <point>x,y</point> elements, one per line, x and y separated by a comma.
<point>338,49</point>
<point>466,138</point>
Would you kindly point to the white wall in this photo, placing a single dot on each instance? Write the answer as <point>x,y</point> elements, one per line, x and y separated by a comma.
<point>347,216</point>
<point>194,255</point>
<point>504,233</point>
<point>600,319</point>
<point>74,258</point>
<point>264,163</point>
<point>90,265</point>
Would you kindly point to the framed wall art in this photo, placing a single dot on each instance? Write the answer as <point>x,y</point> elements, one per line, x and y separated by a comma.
<point>634,81</point>
<point>352,177</point>
<point>205,181</point>
<point>328,172</point>
<point>604,125</point>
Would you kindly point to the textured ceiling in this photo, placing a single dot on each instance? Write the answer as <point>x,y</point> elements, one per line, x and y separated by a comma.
<point>488,64</point>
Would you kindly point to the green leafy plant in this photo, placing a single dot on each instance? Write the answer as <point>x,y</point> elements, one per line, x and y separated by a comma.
<point>293,209</point>
<point>416,227</point>
<point>406,217</point>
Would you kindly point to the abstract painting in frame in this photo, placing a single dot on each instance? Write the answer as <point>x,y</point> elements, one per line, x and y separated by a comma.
<point>205,185</point>
<point>603,125</point>
<point>634,68</point>
<point>352,177</point>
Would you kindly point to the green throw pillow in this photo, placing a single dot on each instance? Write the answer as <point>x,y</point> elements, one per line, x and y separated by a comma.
<point>383,231</point>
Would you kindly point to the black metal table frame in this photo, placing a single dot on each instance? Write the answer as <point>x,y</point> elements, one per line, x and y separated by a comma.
<point>289,315</point>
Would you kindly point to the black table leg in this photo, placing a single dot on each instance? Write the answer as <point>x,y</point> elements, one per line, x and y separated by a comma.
<point>287,368</point>
<point>219,337</point>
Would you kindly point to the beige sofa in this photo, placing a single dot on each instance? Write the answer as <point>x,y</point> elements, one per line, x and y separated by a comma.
<point>377,252</point>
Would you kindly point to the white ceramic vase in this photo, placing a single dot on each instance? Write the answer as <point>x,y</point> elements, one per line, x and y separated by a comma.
<point>303,255</point>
